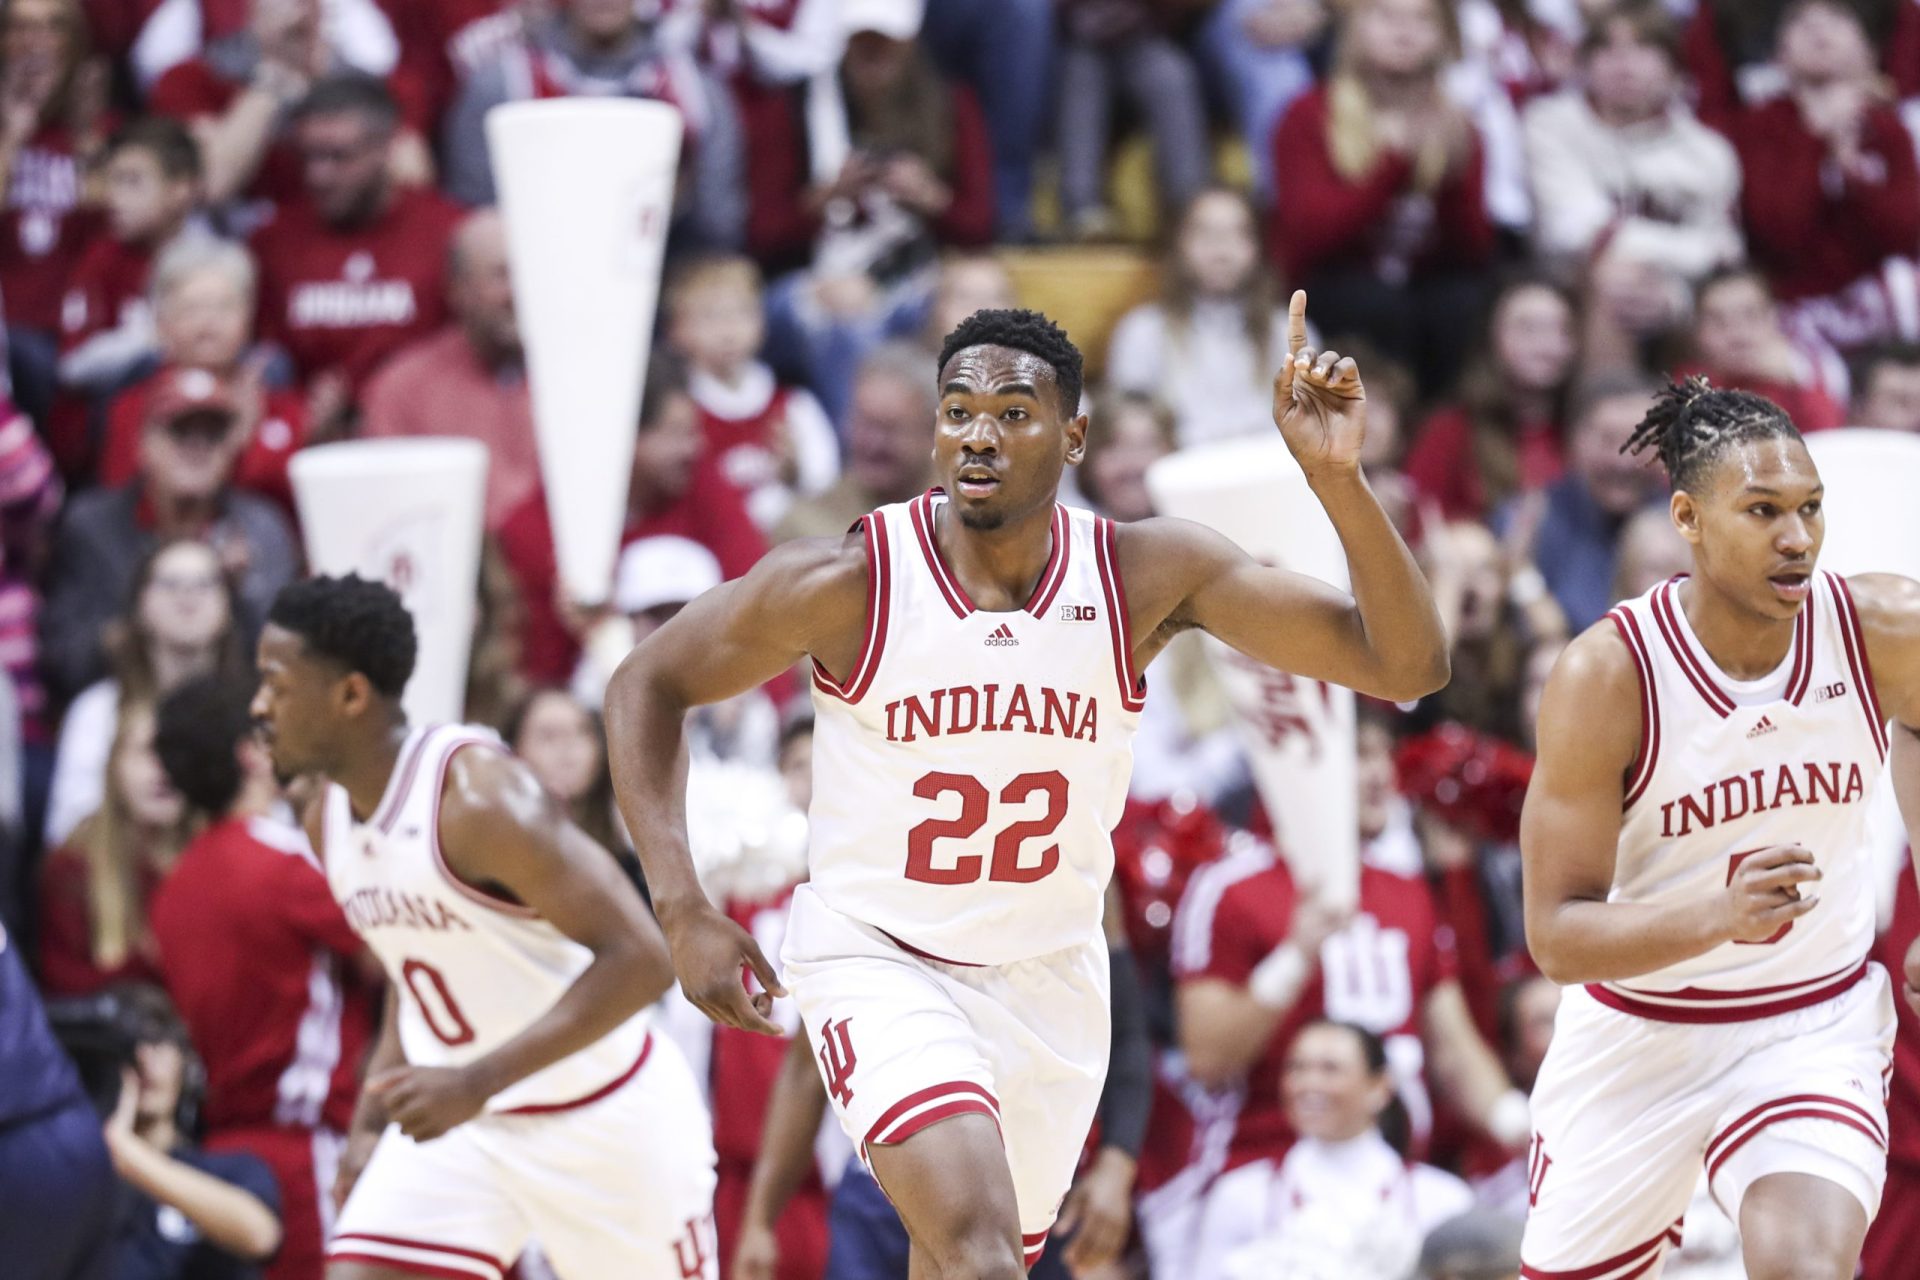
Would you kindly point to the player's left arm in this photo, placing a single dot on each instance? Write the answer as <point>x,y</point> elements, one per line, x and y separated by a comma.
<point>501,831</point>
<point>1467,1071</point>
<point>1385,639</point>
<point>1890,618</point>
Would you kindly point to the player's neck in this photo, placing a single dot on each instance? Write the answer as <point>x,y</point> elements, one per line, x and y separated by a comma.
<point>1742,644</point>
<point>998,567</point>
<point>369,767</point>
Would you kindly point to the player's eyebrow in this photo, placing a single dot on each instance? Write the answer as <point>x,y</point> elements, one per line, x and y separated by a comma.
<point>1761,490</point>
<point>960,386</point>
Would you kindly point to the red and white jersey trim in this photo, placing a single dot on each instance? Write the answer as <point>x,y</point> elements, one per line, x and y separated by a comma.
<point>1649,754</point>
<point>1133,686</point>
<point>1626,1265</point>
<point>1699,1005</point>
<point>1810,1106</point>
<point>418,1257</point>
<point>930,1106</point>
<point>879,607</point>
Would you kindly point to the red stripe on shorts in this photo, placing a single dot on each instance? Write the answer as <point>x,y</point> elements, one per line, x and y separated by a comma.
<point>1653,1249</point>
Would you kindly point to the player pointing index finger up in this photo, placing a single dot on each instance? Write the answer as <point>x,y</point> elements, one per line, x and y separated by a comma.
<point>978,657</point>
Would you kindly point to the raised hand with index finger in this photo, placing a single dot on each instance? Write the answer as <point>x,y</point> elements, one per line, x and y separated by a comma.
<point>1318,401</point>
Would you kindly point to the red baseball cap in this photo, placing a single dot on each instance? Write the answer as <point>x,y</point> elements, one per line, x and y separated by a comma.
<point>180,392</point>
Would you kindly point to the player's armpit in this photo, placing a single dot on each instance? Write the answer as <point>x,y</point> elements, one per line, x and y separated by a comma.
<point>1889,608</point>
<point>1186,574</point>
<point>1570,825</point>
<point>806,598</point>
<point>501,832</point>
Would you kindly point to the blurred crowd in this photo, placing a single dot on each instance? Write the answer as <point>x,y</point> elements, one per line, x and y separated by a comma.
<point>232,229</point>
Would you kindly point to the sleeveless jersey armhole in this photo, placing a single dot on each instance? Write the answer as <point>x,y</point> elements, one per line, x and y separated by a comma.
<point>1133,685</point>
<point>1640,772</point>
<point>1854,640</point>
<point>879,606</point>
<point>472,892</point>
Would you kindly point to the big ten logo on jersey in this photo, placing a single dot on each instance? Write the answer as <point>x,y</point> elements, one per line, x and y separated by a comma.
<point>697,1251</point>
<point>837,1059</point>
<point>1368,975</point>
<point>1279,706</point>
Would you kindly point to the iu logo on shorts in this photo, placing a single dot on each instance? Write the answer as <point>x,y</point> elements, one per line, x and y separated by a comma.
<point>837,1060</point>
<point>697,1250</point>
<point>1537,1162</point>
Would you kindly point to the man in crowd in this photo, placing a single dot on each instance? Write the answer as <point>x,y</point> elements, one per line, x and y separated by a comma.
<point>469,379</point>
<point>889,442</point>
<point>185,486</point>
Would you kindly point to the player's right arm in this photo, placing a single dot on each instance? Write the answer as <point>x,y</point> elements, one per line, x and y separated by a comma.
<point>1589,735</point>
<point>806,598</point>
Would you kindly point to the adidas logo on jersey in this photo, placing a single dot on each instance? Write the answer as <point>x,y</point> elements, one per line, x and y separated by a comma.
<point>1765,726</point>
<point>1003,635</point>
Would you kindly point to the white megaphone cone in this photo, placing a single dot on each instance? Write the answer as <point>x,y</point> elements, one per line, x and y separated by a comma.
<point>1298,733</point>
<point>407,513</point>
<point>586,191</point>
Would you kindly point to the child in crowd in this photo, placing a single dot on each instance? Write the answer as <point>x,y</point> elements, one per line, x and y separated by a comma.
<point>774,442</point>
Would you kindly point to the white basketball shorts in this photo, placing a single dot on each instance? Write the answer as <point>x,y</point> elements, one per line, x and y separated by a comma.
<point>905,1041</point>
<point>1627,1111</point>
<point>617,1189</point>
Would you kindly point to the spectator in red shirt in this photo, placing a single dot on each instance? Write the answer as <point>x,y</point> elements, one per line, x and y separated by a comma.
<point>1832,189</point>
<point>203,294</point>
<point>260,962</point>
<point>151,184</point>
<point>95,888</point>
<point>1886,389</point>
<point>1504,436</point>
<point>53,121</point>
<point>1890,1240</point>
<point>357,267</point>
<point>1738,341</point>
<point>1381,210</point>
<point>470,378</point>
<point>773,442</point>
<point>239,93</point>
<point>676,488</point>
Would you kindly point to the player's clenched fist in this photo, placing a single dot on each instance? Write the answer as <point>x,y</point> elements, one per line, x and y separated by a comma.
<point>427,1101</point>
<point>1764,893</point>
<point>709,952</point>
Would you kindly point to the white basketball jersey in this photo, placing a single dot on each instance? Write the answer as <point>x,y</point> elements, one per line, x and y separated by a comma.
<point>971,765</point>
<point>472,970</point>
<point>1727,767</point>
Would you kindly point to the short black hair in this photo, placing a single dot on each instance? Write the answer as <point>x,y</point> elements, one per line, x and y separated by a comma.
<point>352,91</point>
<point>1027,331</point>
<point>165,139</point>
<point>354,621</point>
<point>197,734</point>
<point>1693,422</point>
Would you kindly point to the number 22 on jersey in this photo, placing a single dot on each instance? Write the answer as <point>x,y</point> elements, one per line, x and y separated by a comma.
<point>976,803</point>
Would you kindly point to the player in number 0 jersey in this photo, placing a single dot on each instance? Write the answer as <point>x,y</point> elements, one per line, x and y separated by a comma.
<point>977,657</point>
<point>1698,874</point>
<point>517,1092</point>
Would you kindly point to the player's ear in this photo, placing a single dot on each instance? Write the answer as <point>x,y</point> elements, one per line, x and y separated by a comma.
<point>353,694</point>
<point>1686,515</point>
<point>1076,440</point>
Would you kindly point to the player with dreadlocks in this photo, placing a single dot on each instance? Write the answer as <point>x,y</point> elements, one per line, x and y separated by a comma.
<point>977,656</point>
<point>1696,873</point>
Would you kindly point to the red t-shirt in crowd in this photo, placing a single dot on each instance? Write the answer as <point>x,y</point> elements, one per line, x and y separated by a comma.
<point>1323,219</point>
<point>109,283</point>
<point>346,298</point>
<point>194,90</point>
<point>1889,1250</point>
<point>257,958</point>
<point>67,966</point>
<point>1813,229</point>
<point>1442,469</point>
<point>442,41</point>
<point>44,230</point>
<point>711,513</point>
<point>1376,972</point>
<point>262,466</point>
<point>1810,405</point>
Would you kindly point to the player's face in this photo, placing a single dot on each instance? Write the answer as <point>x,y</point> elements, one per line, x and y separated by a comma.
<point>1002,438</point>
<point>1327,1089</point>
<point>1756,529</point>
<point>294,704</point>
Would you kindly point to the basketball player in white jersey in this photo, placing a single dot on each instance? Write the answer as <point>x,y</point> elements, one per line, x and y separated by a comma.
<point>1698,876</point>
<point>977,656</point>
<point>517,1091</point>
